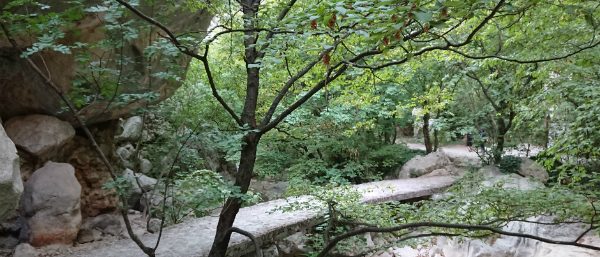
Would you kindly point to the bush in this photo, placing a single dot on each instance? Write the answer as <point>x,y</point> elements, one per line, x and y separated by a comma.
<point>510,164</point>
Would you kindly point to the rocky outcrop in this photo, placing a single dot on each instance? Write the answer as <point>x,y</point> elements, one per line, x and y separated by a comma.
<point>506,246</point>
<point>11,185</point>
<point>530,168</point>
<point>40,135</point>
<point>50,206</point>
<point>24,92</point>
<point>421,165</point>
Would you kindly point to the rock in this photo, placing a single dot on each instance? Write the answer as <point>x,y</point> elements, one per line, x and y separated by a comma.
<point>490,171</point>
<point>506,246</point>
<point>8,242</point>
<point>440,172</point>
<point>271,251</point>
<point>23,92</point>
<point>145,166</point>
<point>530,168</point>
<point>493,176</point>
<point>50,206</point>
<point>40,135</point>
<point>25,250</point>
<point>154,225</point>
<point>88,235</point>
<point>132,129</point>
<point>125,153</point>
<point>421,165</point>
<point>106,224</point>
<point>11,185</point>
<point>465,161</point>
<point>91,172</point>
<point>137,180</point>
<point>269,190</point>
<point>294,245</point>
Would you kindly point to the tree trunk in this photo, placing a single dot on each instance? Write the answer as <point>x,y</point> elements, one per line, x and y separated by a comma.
<point>250,140</point>
<point>436,139</point>
<point>546,131</point>
<point>499,149</point>
<point>233,204</point>
<point>426,137</point>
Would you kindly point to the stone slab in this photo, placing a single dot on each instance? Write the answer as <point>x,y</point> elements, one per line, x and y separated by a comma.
<point>194,238</point>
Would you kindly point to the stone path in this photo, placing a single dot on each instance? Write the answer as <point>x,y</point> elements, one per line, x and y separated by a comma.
<point>462,151</point>
<point>194,237</point>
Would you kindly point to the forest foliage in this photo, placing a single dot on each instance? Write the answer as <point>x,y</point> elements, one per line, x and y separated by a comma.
<point>339,81</point>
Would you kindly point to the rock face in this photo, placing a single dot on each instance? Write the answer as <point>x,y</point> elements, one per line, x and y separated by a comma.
<point>530,168</point>
<point>11,185</point>
<point>50,206</point>
<point>91,172</point>
<point>421,165</point>
<point>506,246</point>
<point>24,92</point>
<point>40,135</point>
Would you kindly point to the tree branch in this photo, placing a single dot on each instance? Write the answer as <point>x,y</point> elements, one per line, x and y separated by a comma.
<point>469,227</point>
<point>508,59</point>
<point>252,238</point>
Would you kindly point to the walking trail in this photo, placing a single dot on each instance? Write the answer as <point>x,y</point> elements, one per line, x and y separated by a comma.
<point>194,237</point>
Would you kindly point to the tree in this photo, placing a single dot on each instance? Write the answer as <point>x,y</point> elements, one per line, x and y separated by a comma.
<point>327,40</point>
<point>340,35</point>
<point>504,88</point>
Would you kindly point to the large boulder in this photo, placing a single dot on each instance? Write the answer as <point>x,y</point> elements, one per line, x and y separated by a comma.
<point>421,165</point>
<point>50,206</point>
<point>530,168</point>
<point>40,135</point>
<point>140,184</point>
<point>11,185</point>
<point>131,129</point>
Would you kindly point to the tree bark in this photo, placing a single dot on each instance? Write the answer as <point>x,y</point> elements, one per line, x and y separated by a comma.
<point>250,140</point>
<point>499,149</point>
<point>233,204</point>
<point>426,137</point>
<point>436,139</point>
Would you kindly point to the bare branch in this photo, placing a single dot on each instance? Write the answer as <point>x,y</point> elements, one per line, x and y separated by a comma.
<point>215,92</point>
<point>468,227</point>
<point>252,238</point>
<point>509,59</point>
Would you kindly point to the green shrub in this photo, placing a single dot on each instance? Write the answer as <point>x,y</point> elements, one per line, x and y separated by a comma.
<point>510,164</point>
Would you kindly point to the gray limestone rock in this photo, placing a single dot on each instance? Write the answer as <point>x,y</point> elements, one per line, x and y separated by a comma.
<point>50,206</point>
<point>40,135</point>
<point>25,250</point>
<point>11,185</point>
<point>132,129</point>
<point>530,168</point>
<point>421,165</point>
<point>145,166</point>
<point>137,180</point>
